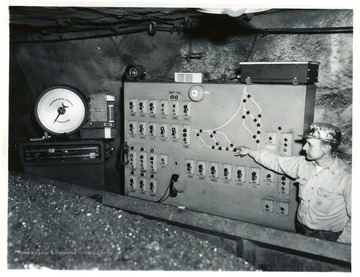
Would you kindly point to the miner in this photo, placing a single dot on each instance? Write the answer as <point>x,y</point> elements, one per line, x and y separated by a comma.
<point>324,182</point>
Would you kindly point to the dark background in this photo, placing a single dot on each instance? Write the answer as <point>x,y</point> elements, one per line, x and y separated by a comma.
<point>89,49</point>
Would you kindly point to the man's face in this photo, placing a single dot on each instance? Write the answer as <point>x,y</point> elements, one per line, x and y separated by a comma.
<point>314,149</point>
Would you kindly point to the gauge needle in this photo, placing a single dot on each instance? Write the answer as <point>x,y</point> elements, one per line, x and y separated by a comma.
<point>61,110</point>
<point>57,117</point>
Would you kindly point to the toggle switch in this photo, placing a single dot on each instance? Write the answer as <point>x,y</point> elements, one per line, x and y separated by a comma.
<point>132,159</point>
<point>163,159</point>
<point>142,184</point>
<point>227,171</point>
<point>163,130</point>
<point>286,142</point>
<point>214,170</point>
<point>284,185</point>
<point>174,108</point>
<point>270,138</point>
<point>268,205</point>
<point>201,168</point>
<point>269,176</point>
<point>185,134</point>
<point>283,208</point>
<point>143,160</point>
<point>153,162</point>
<point>254,175</point>
<point>132,127</point>
<point>190,166</point>
<point>240,173</point>
<point>132,183</point>
<point>153,186</point>
<point>186,108</point>
<point>132,105</point>
<point>174,131</point>
<point>164,107</point>
<point>142,128</point>
<point>142,106</point>
<point>152,107</point>
<point>152,129</point>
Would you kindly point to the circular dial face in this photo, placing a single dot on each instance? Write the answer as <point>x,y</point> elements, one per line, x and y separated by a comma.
<point>197,93</point>
<point>61,111</point>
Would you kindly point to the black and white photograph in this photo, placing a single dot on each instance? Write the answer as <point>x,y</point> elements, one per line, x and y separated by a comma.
<point>182,137</point>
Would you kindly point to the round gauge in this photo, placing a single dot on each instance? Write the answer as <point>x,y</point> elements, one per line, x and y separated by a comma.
<point>197,93</point>
<point>61,110</point>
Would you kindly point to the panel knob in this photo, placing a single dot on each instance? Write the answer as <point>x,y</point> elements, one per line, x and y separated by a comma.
<point>198,93</point>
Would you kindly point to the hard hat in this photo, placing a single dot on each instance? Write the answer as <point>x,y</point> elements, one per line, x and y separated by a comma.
<point>323,131</point>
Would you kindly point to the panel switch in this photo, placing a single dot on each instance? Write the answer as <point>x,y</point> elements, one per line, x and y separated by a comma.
<point>153,162</point>
<point>132,159</point>
<point>164,107</point>
<point>142,184</point>
<point>132,105</point>
<point>152,129</point>
<point>201,168</point>
<point>174,108</point>
<point>214,170</point>
<point>152,107</point>
<point>270,138</point>
<point>286,143</point>
<point>163,130</point>
<point>254,175</point>
<point>269,176</point>
<point>132,182</point>
<point>268,205</point>
<point>226,171</point>
<point>174,131</point>
<point>132,127</point>
<point>152,186</point>
<point>163,159</point>
<point>142,106</point>
<point>185,134</point>
<point>240,175</point>
<point>284,185</point>
<point>143,160</point>
<point>186,105</point>
<point>189,166</point>
<point>283,208</point>
<point>142,128</point>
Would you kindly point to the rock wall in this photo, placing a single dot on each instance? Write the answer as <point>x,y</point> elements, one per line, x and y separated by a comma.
<point>215,47</point>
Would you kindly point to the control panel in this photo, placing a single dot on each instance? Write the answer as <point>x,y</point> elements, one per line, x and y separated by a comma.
<point>190,131</point>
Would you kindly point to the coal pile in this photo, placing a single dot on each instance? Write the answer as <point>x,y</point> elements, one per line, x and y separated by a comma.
<point>49,227</point>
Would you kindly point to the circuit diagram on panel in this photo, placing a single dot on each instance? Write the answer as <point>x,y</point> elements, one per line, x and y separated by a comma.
<point>250,112</point>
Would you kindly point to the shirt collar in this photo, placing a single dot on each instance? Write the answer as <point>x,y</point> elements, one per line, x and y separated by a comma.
<point>334,167</point>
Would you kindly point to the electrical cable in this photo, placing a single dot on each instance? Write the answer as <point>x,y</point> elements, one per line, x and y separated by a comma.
<point>161,199</point>
<point>261,32</point>
<point>127,31</point>
<point>173,179</point>
<point>252,47</point>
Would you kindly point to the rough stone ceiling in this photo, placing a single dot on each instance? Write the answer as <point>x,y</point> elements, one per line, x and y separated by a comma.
<point>55,16</point>
<point>70,19</point>
<point>34,24</point>
<point>30,24</point>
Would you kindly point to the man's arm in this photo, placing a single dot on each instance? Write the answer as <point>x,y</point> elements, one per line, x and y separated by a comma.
<point>282,165</point>
<point>345,236</point>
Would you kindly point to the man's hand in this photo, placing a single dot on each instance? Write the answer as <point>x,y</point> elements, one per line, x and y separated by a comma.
<point>242,151</point>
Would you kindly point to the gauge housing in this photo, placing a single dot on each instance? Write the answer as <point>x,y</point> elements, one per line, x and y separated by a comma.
<point>61,110</point>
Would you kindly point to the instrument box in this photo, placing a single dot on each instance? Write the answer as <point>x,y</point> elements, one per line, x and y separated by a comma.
<point>279,72</point>
<point>75,162</point>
